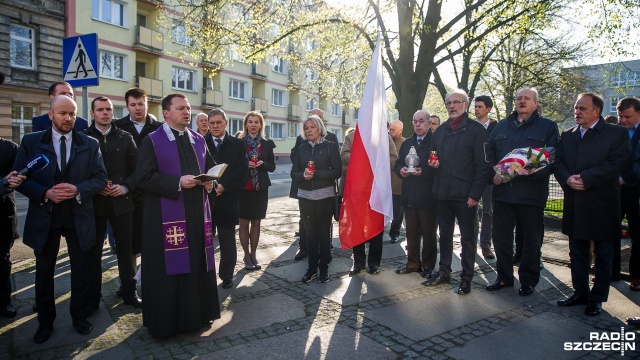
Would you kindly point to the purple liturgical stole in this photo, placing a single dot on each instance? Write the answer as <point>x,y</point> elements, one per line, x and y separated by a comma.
<point>174,222</point>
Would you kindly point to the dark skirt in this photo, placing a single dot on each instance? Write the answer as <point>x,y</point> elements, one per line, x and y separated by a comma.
<point>253,204</point>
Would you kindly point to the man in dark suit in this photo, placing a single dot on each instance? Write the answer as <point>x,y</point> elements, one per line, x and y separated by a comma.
<point>43,122</point>
<point>302,234</point>
<point>114,202</point>
<point>8,222</point>
<point>629,116</point>
<point>139,124</point>
<point>589,160</point>
<point>231,151</point>
<point>61,204</point>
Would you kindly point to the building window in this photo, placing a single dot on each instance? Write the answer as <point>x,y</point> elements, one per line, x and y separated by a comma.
<point>234,53</point>
<point>312,44</point>
<point>293,130</point>
<point>310,104</point>
<point>336,110</point>
<point>112,65</point>
<point>118,112</point>
<point>279,65</point>
<point>309,75</point>
<point>235,125</point>
<point>183,79</point>
<point>276,131</point>
<point>277,97</point>
<point>355,113</point>
<point>109,11</point>
<point>22,47</point>
<point>179,35</point>
<point>237,89</point>
<point>614,103</point>
<point>21,116</point>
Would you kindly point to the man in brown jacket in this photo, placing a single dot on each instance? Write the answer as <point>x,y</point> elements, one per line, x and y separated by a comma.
<point>395,130</point>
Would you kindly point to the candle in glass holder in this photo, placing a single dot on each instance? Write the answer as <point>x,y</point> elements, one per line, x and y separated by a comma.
<point>310,166</point>
<point>109,183</point>
<point>433,156</point>
<point>254,159</point>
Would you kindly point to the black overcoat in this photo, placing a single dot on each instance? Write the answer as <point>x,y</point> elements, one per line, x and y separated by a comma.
<point>8,218</point>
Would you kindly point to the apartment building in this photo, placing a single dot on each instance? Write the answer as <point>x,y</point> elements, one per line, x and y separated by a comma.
<point>31,34</point>
<point>134,51</point>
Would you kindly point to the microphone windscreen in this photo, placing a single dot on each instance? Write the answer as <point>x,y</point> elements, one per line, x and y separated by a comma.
<point>37,163</point>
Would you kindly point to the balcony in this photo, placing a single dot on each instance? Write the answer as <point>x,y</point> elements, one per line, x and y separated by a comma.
<point>148,41</point>
<point>212,98</point>
<point>261,105</point>
<point>153,87</point>
<point>260,71</point>
<point>295,112</point>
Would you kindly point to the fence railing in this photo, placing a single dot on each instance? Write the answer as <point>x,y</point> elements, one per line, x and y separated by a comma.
<point>556,196</point>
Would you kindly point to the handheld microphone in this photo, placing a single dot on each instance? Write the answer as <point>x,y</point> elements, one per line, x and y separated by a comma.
<point>36,164</point>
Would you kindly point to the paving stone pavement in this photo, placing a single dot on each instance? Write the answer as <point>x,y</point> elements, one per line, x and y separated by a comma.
<point>271,314</point>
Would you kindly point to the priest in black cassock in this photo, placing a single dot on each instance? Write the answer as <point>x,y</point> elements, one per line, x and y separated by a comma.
<point>178,270</point>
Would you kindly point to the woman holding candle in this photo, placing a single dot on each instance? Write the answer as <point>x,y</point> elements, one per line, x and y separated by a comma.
<point>315,168</point>
<point>255,194</point>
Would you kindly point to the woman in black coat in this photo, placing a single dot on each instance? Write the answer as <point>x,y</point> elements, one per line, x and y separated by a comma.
<point>255,193</point>
<point>315,169</point>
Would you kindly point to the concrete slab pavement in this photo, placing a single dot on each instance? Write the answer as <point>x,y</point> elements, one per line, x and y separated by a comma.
<point>271,314</point>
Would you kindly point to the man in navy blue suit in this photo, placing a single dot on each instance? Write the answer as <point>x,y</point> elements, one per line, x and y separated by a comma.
<point>43,122</point>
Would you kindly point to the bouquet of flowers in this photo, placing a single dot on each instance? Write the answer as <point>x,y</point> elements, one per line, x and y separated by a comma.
<point>524,161</point>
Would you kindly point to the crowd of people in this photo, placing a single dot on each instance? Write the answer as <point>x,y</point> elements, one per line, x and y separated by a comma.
<point>142,177</point>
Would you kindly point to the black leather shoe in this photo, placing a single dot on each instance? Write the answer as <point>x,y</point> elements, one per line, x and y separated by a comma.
<point>323,278</point>
<point>374,270</point>
<point>300,255</point>
<point>43,334</point>
<point>8,311</point>
<point>593,308</point>
<point>497,285</point>
<point>134,301</point>
<point>82,326</point>
<point>356,270</point>
<point>525,290</point>
<point>227,284</point>
<point>428,274</point>
<point>465,287</point>
<point>436,279</point>
<point>573,300</point>
<point>394,239</point>
<point>406,270</point>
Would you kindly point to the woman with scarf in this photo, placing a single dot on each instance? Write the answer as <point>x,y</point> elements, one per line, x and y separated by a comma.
<point>316,167</point>
<point>255,194</point>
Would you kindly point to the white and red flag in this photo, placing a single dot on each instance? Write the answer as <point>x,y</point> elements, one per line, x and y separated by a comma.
<point>367,205</point>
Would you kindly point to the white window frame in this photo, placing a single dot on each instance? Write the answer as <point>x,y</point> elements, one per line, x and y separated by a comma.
<point>235,125</point>
<point>14,38</point>
<point>612,105</point>
<point>240,87</point>
<point>276,131</point>
<point>123,65</point>
<point>23,122</point>
<point>293,130</point>
<point>119,111</point>
<point>97,12</point>
<point>310,103</point>
<point>336,110</point>
<point>234,53</point>
<point>278,97</point>
<point>180,36</point>
<point>311,43</point>
<point>279,65</point>
<point>176,72</point>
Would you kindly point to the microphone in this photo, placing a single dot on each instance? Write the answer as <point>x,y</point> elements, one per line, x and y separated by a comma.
<point>36,164</point>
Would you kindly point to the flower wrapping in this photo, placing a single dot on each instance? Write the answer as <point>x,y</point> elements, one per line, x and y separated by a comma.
<point>524,161</point>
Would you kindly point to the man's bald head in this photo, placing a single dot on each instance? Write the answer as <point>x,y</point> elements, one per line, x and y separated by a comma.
<point>395,128</point>
<point>62,113</point>
<point>317,112</point>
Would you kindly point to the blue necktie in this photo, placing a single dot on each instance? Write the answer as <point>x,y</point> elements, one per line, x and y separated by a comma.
<point>218,142</point>
<point>631,131</point>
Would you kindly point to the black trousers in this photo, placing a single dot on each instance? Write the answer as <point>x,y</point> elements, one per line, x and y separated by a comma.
<point>317,216</point>
<point>579,254</point>
<point>448,211</point>
<point>6,243</point>
<point>45,268</point>
<point>122,226</point>
<point>375,252</point>
<point>629,200</point>
<point>228,252</point>
<point>505,216</point>
<point>421,224</point>
<point>398,215</point>
<point>302,233</point>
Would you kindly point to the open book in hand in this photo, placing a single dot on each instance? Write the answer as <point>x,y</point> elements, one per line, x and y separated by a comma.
<point>213,173</point>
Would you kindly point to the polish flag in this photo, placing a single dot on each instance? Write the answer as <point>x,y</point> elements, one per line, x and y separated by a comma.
<point>367,205</point>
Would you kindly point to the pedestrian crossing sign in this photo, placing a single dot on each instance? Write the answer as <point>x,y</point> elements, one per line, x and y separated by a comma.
<point>80,60</point>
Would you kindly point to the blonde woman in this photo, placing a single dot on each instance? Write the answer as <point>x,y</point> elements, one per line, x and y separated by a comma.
<point>255,193</point>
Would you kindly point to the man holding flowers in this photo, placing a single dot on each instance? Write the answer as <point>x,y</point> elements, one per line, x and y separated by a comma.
<point>520,198</point>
